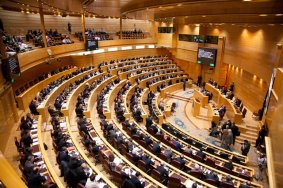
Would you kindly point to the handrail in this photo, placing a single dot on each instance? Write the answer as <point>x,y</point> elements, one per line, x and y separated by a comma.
<point>8,175</point>
<point>26,97</point>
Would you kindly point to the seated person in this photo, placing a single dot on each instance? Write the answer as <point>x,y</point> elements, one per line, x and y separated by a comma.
<point>156,148</point>
<point>35,180</point>
<point>201,154</point>
<point>229,165</point>
<point>164,172</point>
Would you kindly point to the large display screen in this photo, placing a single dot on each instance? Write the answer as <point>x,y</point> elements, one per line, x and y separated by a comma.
<point>91,45</point>
<point>11,68</point>
<point>207,56</point>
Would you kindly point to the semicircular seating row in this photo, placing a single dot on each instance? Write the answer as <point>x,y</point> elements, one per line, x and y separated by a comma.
<point>102,90</point>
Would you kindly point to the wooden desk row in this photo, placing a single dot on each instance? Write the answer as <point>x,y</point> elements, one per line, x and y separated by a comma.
<point>25,98</point>
<point>159,72</point>
<point>85,157</point>
<point>143,82</point>
<point>231,111</point>
<point>112,95</point>
<point>70,105</point>
<point>124,75</point>
<point>93,96</point>
<point>43,107</point>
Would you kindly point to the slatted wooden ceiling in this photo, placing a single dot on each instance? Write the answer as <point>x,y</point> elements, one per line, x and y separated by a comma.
<point>195,11</point>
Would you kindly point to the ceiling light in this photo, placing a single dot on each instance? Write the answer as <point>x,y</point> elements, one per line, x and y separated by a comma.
<point>278,14</point>
<point>180,4</point>
<point>204,16</point>
<point>247,0</point>
<point>263,15</point>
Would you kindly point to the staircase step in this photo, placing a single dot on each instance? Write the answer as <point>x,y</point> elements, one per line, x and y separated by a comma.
<point>251,133</point>
<point>254,127</point>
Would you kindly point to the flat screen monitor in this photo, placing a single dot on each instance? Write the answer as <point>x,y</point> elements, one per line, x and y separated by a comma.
<point>207,56</point>
<point>91,45</point>
<point>11,68</point>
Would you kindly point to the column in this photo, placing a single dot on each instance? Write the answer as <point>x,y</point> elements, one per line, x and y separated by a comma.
<point>121,26</point>
<point>83,26</point>
<point>42,26</point>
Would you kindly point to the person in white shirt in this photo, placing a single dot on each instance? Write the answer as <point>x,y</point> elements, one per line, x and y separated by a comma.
<point>94,181</point>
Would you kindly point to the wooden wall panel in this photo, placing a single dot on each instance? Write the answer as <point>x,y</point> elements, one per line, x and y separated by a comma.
<point>249,88</point>
<point>18,23</point>
<point>250,48</point>
<point>8,116</point>
<point>278,84</point>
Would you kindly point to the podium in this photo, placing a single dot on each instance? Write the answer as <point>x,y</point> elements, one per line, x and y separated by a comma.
<point>196,107</point>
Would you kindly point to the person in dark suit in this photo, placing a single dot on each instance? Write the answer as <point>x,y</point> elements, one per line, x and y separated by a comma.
<point>163,172</point>
<point>148,162</point>
<point>245,148</point>
<point>229,165</point>
<point>184,84</point>
<point>135,180</point>
<point>35,180</point>
<point>212,176</point>
<point>156,148</point>
<point>33,107</point>
<point>178,145</point>
<point>148,140</point>
<point>148,122</point>
<point>181,161</point>
<point>245,185</point>
<point>201,154</point>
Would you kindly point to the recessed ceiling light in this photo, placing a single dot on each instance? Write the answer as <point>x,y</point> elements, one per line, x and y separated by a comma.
<point>278,14</point>
<point>263,15</point>
<point>204,16</point>
<point>247,0</point>
<point>180,4</point>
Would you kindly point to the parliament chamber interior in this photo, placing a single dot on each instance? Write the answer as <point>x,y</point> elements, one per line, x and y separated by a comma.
<point>138,93</point>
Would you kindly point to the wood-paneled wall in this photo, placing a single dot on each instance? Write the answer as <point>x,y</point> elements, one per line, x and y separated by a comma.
<point>249,88</point>
<point>8,116</point>
<point>19,23</point>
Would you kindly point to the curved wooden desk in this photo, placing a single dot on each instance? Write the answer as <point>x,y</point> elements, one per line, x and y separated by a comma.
<point>144,94</point>
<point>142,83</point>
<point>133,78</point>
<point>127,98</point>
<point>70,106</point>
<point>153,87</point>
<point>201,97</point>
<point>174,87</point>
<point>151,65</point>
<point>231,111</point>
<point>45,156</point>
<point>93,96</point>
<point>43,107</point>
<point>25,98</point>
<point>112,95</point>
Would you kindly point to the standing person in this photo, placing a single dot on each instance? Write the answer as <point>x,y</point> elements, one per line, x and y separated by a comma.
<point>231,87</point>
<point>69,28</point>
<point>227,140</point>
<point>245,148</point>
<point>262,164</point>
<point>184,84</point>
<point>235,132</point>
<point>199,80</point>
<point>261,134</point>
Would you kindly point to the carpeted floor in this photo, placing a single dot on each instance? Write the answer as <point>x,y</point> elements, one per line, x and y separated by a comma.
<point>180,119</point>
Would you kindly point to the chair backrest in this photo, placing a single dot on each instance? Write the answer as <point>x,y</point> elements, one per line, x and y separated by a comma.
<point>142,165</point>
<point>226,185</point>
<point>156,175</point>
<point>176,164</point>
<point>174,182</point>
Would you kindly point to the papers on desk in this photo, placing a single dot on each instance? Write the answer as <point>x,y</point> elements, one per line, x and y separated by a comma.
<point>37,153</point>
<point>117,161</point>
<point>190,183</point>
<point>35,140</point>
<point>63,125</point>
<point>34,131</point>
<point>34,144</point>
<point>34,126</point>
<point>64,105</point>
